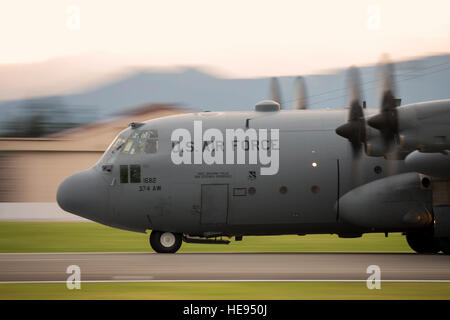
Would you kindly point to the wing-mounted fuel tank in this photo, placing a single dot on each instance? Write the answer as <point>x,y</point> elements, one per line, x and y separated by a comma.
<point>394,203</point>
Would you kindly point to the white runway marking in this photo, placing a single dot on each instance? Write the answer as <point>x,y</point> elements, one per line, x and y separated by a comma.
<point>222,280</point>
<point>136,278</point>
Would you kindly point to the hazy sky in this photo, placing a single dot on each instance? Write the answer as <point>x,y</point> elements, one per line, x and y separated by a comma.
<point>241,38</point>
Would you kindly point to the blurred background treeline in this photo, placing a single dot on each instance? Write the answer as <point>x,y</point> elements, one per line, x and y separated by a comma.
<point>46,104</point>
<point>40,117</point>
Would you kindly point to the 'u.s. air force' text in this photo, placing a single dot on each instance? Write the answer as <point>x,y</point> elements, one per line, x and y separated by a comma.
<point>238,146</point>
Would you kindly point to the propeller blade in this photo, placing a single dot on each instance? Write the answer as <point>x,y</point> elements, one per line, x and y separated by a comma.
<point>355,128</point>
<point>356,166</point>
<point>275,93</point>
<point>300,94</point>
<point>353,85</point>
<point>387,120</point>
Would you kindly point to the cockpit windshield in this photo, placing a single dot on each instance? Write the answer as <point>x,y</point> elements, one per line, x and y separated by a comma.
<point>140,141</point>
<point>117,144</point>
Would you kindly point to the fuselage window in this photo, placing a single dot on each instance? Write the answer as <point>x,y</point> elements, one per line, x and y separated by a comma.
<point>123,174</point>
<point>135,173</point>
<point>143,141</point>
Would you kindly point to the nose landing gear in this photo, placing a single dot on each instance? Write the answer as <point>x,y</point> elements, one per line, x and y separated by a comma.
<point>165,242</point>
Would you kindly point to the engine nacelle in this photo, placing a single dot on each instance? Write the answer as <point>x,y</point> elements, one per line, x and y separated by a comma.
<point>433,140</point>
<point>432,164</point>
<point>424,126</point>
<point>396,203</point>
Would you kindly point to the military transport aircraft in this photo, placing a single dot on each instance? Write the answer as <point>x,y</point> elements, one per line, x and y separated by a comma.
<point>201,177</point>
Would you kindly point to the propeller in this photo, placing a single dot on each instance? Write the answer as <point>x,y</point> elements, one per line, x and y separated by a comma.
<point>380,137</point>
<point>275,94</point>
<point>387,120</point>
<point>355,128</point>
<point>300,94</point>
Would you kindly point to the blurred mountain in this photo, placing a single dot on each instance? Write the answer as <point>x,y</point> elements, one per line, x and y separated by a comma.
<point>61,75</point>
<point>418,80</point>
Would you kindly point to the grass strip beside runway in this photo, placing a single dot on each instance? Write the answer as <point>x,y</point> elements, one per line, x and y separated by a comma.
<point>28,237</point>
<point>245,290</point>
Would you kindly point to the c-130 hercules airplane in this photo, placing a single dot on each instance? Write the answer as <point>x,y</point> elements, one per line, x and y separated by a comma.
<point>199,177</point>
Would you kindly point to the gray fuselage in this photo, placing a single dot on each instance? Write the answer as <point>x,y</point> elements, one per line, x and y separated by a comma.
<point>315,170</point>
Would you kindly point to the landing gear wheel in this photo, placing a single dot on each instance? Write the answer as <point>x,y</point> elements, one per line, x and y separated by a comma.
<point>423,242</point>
<point>165,242</point>
<point>444,244</point>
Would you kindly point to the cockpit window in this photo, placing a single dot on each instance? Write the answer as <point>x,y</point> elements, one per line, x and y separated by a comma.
<point>118,144</point>
<point>141,141</point>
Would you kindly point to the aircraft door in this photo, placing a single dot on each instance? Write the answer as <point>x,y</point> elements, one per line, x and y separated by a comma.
<point>214,204</point>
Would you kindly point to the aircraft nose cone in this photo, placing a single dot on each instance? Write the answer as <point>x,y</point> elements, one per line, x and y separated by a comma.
<point>85,194</point>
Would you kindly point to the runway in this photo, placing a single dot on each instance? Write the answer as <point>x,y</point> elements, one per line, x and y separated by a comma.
<point>136,267</point>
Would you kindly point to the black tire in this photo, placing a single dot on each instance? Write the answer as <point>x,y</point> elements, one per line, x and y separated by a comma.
<point>165,242</point>
<point>423,242</point>
<point>444,245</point>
